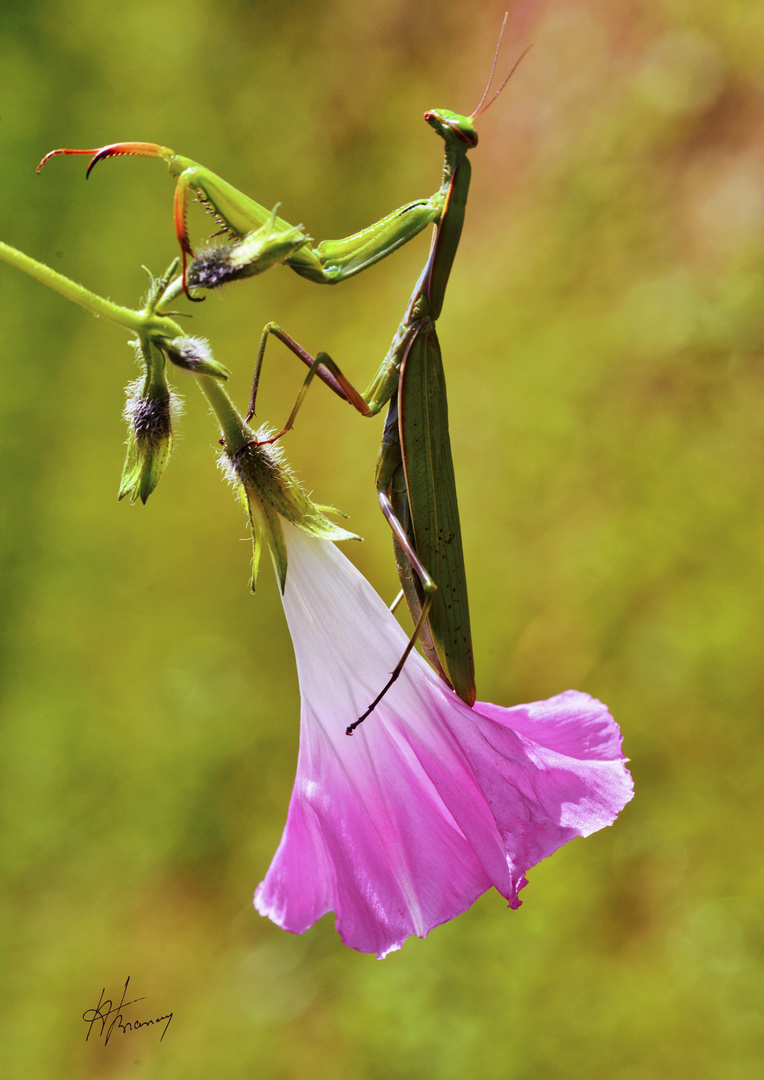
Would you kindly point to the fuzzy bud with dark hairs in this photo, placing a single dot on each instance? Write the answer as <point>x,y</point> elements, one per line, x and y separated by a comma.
<point>149,412</point>
<point>260,249</point>
<point>193,354</point>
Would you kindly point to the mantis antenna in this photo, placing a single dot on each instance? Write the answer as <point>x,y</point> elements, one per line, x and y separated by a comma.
<point>481,106</point>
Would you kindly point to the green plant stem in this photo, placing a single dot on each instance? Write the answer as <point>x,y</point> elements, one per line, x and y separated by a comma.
<point>236,432</point>
<point>136,321</point>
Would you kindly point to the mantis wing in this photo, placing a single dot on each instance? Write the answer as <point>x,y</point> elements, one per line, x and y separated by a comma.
<point>429,472</point>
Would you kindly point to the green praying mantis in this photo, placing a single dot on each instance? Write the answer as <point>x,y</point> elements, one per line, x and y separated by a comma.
<point>414,474</point>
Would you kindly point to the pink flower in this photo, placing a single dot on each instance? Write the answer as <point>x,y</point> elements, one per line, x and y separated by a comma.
<point>403,825</point>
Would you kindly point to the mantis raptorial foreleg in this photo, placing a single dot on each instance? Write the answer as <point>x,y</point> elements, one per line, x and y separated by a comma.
<point>244,220</point>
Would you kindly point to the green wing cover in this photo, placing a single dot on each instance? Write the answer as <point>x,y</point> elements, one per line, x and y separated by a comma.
<point>429,470</point>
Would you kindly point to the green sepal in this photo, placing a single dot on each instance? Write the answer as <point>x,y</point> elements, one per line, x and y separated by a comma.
<point>269,525</point>
<point>145,462</point>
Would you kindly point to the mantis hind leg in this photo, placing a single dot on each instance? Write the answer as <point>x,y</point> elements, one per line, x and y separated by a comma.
<point>428,587</point>
<point>411,580</point>
<point>418,586</point>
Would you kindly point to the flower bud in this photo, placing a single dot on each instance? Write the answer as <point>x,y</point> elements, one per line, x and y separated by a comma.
<point>149,409</point>
<point>254,253</point>
<point>270,491</point>
<point>194,355</point>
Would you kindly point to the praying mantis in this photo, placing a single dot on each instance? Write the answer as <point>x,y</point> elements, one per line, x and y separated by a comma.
<point>414,477</point>
<point>414,474</point>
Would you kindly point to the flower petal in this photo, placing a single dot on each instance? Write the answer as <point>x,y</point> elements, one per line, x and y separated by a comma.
<point>404,825</point>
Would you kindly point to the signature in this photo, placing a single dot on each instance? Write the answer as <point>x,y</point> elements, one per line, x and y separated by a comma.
<point>105,1008</point>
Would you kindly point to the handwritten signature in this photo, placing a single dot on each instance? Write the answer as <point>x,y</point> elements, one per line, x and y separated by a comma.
<point>105,1009</point>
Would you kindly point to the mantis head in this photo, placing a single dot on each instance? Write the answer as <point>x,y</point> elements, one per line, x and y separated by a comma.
<point>453,127</point>
<point>460,130</point>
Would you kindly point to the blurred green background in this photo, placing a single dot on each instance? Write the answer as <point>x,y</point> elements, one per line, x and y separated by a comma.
<point>603,347</point>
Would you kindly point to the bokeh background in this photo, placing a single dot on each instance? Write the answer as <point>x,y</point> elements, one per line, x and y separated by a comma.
<point>603,345</point>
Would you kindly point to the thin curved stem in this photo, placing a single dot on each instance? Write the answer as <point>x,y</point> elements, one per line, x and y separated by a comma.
<point>236,432</point>
<point>136,321</point>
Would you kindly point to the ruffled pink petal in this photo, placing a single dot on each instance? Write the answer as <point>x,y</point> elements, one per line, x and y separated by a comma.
<point>403,825</point>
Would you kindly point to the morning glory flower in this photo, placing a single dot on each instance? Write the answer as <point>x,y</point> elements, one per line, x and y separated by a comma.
<point>402,826</point>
